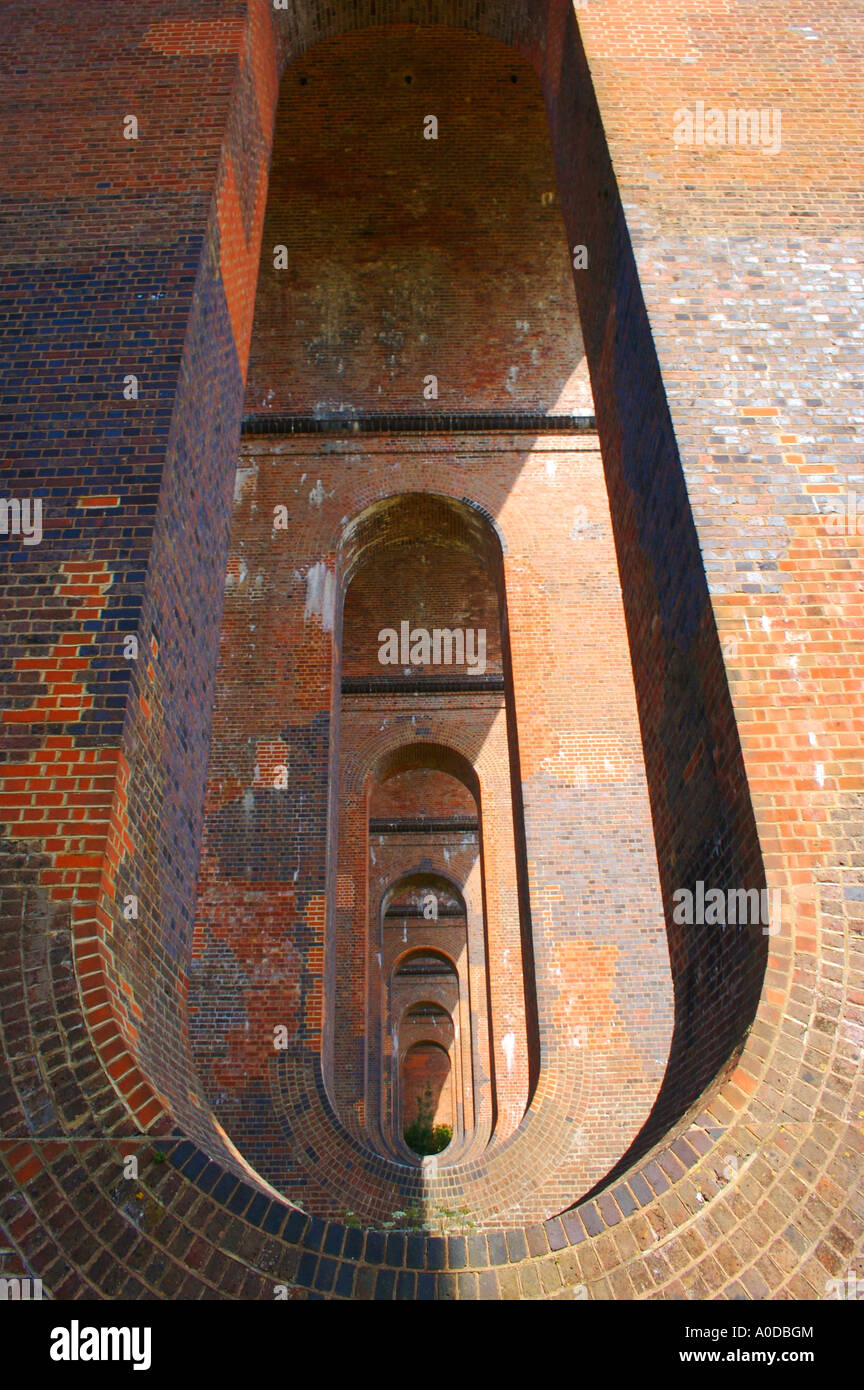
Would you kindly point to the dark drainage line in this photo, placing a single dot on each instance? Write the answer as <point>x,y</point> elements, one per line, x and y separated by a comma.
<point>432,685</point>
<point>382,825</point>
<point>431,422</point>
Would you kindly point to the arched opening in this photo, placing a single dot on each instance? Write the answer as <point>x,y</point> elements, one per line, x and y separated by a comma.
<point>410,257</point>
<point>422,964</point>
<point>426,1084</point>
<point>428,989</point>
<point>550,759</point>
<point>423,645</point>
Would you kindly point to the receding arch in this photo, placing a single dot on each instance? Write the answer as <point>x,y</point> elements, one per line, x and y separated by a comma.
<point>426,1084</point>
<point>437,561</point>
<point>339,888</point>
<point>416,881</point>
<point>518,25</point>
<point>426,1012</point>
<point>439,757</point>
<point>424,961</point>
<point>391,523</point>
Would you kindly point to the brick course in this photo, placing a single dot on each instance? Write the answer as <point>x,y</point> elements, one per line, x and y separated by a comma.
<point>719,336</point>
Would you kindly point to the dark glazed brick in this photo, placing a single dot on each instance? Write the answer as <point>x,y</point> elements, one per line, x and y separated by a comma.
<point>416,1252</point>
<point>517,1246</point>
<point>183,1154</point>
<point>224,1187</point>
<point>385,1285</point>
<point>375,1247</point>
<point>478,1254</point>
<point>625,1199</point>
<point>591,1219</point>
<point>294,1226</point>
<point>457,1252</point>
<point>395,1250</point>
<point>555,1234</point>
<point>497,1242</point>
<point>574,1230</point>
<point>353,1248</point>
<point>240,1200</point>
<point>640,1189</point>
<point>653,1174</point>
<point>314,1233</point>
<point>685,1153</point>
<point>333,1239</point>
<point>671,1166</point>
<point>276,1215</point>
<point>210,1176</point>
<point>436,1253</point>
<point>326,1274</point>
<point>608,1210</point>
<point>258,1209</point>
<point>306,1269</point>
<point>538,1245</point>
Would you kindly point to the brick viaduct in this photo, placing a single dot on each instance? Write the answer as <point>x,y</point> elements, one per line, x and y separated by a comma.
<point>283,373</point>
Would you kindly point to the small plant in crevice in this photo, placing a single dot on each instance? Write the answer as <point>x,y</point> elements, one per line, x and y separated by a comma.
<point>423,1136</point>
<point>450,1220</point>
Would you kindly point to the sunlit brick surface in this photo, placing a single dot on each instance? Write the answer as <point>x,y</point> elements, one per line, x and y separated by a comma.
<point>595,923</point>
<point>718,321</point>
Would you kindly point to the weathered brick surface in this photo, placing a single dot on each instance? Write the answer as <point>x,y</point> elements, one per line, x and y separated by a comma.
<point>458,264</point>
<point>127,255</point>
<point>601,1045</point>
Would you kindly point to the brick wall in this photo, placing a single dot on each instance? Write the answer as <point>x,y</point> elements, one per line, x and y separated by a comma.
<point>733,276</point>
<point>406,256</point>
<point>589,858</point>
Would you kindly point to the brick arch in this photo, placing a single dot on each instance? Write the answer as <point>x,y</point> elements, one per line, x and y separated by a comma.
<point>437,870</point>
<point>678,1192</point>
<point>440,757</point>
<point>376,752</point>
<point>467,1045</point>
<point>394,746</point>
<point>440,1056</point>
<point>417,951</point>
<point>382,755</point>
<point>571,18</point>
<point>423,876</point>
<point>518,24</point>
<point>437,518</point>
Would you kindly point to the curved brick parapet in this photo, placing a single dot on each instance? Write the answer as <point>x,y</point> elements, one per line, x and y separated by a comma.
<point>754,1196</point>
<point>714,346</point>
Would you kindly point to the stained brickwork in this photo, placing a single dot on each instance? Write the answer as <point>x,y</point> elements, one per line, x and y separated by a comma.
<point>456,266</point>
<point>717,316</point>
<point>599,1037</point>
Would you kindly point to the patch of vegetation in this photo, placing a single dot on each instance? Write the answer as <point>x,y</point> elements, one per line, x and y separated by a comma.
<point>423,1136</point>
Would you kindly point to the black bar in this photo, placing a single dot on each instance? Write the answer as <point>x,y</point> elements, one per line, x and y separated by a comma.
<point>432,685</point>
<point>383,826</point>
<point>432,422</point>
